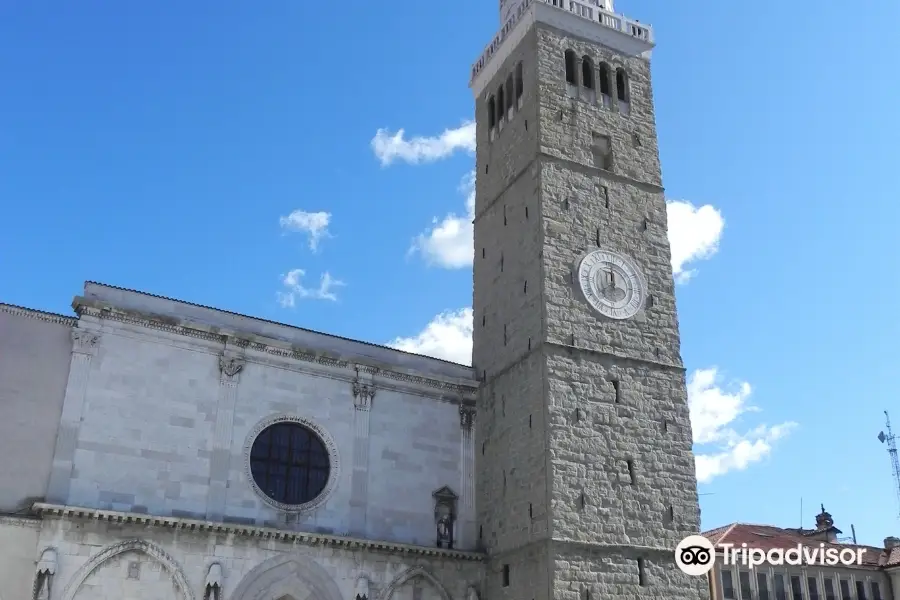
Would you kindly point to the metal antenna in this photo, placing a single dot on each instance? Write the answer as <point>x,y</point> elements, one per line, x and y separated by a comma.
<point>892,450</point>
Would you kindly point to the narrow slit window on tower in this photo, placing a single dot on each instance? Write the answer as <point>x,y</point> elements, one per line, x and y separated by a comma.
<point>504,215</point>
<point>520,85</point>
<point>480,531</point>
<point>617,389</point>
<point>587,72</point>
<point>529,421</point>
<point>526,212</point>
<point>483,320</point>
<point>530,511</point>
<point>501,262</point>
<point>482,448</point>
<point>670,514</point>
<point>570,67</point>
<point>510,94</point>
<point>650,301</point>
<point>621,85</point>
<point>597,239</point>
<point>525,287</point>
<point>501,105</point>
<point>529,343</point>
<point>601,148</point>
<point>642,572</point>
<point>504,334</point>
<point>482,253</point>
<point>505,575</point>
<point>582,501</point>
<point>492,112</point>
<point>631,474</point>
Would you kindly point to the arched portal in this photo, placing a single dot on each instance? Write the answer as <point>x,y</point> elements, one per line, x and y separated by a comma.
<point>287,577</point>
<point>131,569</point>
<point>417,583</point>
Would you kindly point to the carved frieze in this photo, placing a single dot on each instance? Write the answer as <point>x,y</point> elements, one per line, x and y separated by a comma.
<point>466,417</point>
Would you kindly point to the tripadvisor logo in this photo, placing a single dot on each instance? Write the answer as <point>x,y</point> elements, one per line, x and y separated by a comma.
<point>696,555</point>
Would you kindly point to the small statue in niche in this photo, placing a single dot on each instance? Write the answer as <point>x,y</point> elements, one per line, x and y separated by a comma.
<point>444,515</point>
<point>445,531</point>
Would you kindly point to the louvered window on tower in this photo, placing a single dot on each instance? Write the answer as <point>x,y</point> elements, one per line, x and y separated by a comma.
<point>520,86</point>
<point>605,87</point>
<point>492,116</point>
<point>622,94</point>
<point>509,97</point>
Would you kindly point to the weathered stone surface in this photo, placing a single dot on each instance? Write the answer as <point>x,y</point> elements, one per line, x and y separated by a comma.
<point>583,452</point>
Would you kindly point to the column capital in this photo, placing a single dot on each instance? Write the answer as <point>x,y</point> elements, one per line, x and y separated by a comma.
<point>84,341</point>
<point>466,416</point>
<point>230,366</point>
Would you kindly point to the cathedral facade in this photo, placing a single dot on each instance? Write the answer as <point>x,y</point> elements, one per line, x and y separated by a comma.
<point>156,449</point>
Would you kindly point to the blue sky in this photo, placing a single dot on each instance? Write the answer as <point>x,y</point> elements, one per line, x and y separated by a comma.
<point>307,162</point>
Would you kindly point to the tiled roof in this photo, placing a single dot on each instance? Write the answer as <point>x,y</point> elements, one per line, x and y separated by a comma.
<point>767,537</point>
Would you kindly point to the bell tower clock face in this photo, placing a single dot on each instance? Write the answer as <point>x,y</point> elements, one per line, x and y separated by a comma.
<point>612,284</point>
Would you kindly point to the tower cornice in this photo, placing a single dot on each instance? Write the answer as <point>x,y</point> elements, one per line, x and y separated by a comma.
<point>578,17</point>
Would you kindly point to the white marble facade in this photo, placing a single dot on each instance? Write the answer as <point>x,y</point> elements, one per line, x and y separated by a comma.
<point>149,491</point>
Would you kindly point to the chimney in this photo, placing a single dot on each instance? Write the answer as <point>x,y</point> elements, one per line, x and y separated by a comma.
<point>891,542</point>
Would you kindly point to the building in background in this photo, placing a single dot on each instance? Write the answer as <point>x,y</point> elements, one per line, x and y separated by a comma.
<point>876,578</point>
<point>152,448</point>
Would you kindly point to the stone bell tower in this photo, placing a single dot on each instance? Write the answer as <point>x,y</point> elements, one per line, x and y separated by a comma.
<point>585,475</point>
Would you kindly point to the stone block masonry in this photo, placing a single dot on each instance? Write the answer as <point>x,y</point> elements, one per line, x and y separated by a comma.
<point>585,473</point>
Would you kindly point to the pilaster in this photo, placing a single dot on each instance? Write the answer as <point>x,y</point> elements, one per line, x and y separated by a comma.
<point>230,367</point>
<point>84,348</point>
<point>363,394</point>
<point>467,477</point>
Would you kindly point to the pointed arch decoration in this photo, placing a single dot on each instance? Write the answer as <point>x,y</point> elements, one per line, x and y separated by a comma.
<point>410,574</point>
<point>135,545</point>
<point>282,574</point>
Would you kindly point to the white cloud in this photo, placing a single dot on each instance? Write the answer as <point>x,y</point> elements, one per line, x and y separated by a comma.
<point>294,290</point>
<point>389,147</point>
<point>449,243</point>
<point>448,336</point>
<point>314,225</point>
<point>715,411</point>
<point>694,234</point>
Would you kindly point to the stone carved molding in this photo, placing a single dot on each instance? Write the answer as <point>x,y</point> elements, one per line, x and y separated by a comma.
<point>230,366</point>
<point>362,588</point>
<point>84,341</point>
<point>136,545</point>
<point>93,515</point>
<point>86,309</point>
<point>30,313</point>
<point>466,417</point>
<point>410,574</point>
<point>334,460</point>
<point>214,579</point>
<point>43,575</point>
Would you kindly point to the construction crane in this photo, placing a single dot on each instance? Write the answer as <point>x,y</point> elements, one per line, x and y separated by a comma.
<point>892,450</point>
